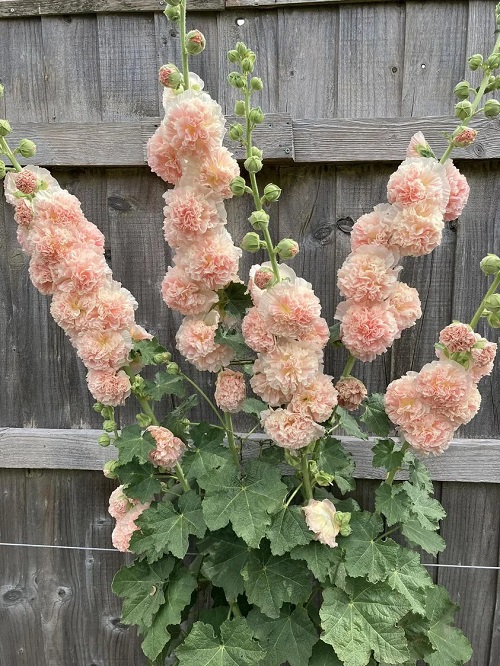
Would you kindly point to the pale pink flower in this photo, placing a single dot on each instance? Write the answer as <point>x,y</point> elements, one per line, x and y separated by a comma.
<point>417,229</point>
<point>419,179</point>
<point>162,157</point>
<point>213,262</point>
<point>402,402</point>
<point>26,181</point>
<point>23,236</point>
<point>23,213</point>
<point>320,519</point>
<point>459,192</point>
<point>114,308</point>
<point>483,358</point>
<point>288,310</point>
<point>350,392</point>
<point>317,335</point>
<point>260,386</point>
<point>196,342</point>
<point>189,213</point>
<point>90,236</point>
<point>46,182</point>
<point>81,270</point>
<point>230,391</point>
<point>443,383</point>
<point>367,330</point>
<point>261,277</point>
<point>458,337</point>
<point>109,387</point>
<point>290,430</point>
<point>217,170</point>
<point>465,137</point>
<point>169,449</point>
<point>41,275</point>
<point>256,333</point>
<point>59,208</point>
<point>374,228</point>
<point>185,295</point>
<point>126,526</point>
<point>170,95</point>
<point>431,433</point>
<point>119,503</point>
<point>101,350</point>
<point>368,274</point>
<point>465,410</point>
<point>317,399</point>
<point>417,143</point>
<point>139,333</point>
<point>52,243</point>
<point>404,303</point>
<point>290,365</point>
<point>73,311</point>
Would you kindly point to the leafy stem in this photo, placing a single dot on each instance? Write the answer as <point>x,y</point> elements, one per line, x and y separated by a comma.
<point>479,312</point>
<point>386,534</point>
<point>205,397</point>
<point>351,360</point>
<point>5,150</point>
<point>230,439</point>
<point>392,473</point>
<point>185,54</point>
<point>306,479</point>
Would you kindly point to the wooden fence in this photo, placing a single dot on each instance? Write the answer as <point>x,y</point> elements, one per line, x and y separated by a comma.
<point>346,86</point>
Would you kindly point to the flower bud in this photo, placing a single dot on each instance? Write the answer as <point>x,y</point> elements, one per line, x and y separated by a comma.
<point>475,61</point>
<point>237,186</point>
<point>239,108</point>
<point>259,219</point>
<point>464,136</point>
<point>272,192</point>
<point>256,152</point>
<point>263,278</point>
<point>5,128</point>
<point>287,248</point>
<point>494,319</point>
<point>138,384</point>
<point>241,49</point>
<point>109,425</point>
<point>351,392</point>
<point>247,65</point>
<point>492,108</point>
<point>173,369</point>
<point>236,132</point>
<point>104,440</point>
<point>3,170</point>
<point>236,80</point>
<point>256,115</point>
<point>320,477</point>
<point>169,76</point>
<point>253,164</point>
<point>463,110</point>
<point>233,56</point>
<point>97,407</point>
<point>173,13</point>
<point>195,42</point>
<point>256,83</point>
<point>343,519</point>
<point>143,420</point>
<point>107,412</point>
<point>251,242</point>
<point>493,303</point>
<point>493,62</point>
<point>163,357</point>
<point>490,265</point>
<point>462,90</point>
<point>27,148</point>
<point>109,469</point>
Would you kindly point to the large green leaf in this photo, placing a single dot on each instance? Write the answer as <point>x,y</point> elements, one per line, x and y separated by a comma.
<point>289,638</point>
<point>366,619</point>
<point>349,423</point>
<point>174,420</point>
<point>419,474</point>
<point>334,460</point>
<point>147,349</point>
<point>374,415</point>
<point>451,646</point>
<point>132,444</point>
<point>393,503</point>
<point>410,578</point>
<point>426,509</point>
<point>235,299</point>
<point>228,555</point>
<point>429,540</point>
<point>166,384</point>
<point>140,480</point>
<point>271,581</point>
<point>322,560</point>
<point>288,529</point>
<point>246,502</point>
<point>236,646</point>
<point>387,454</point>
<point>209,453</point>
<point>323,655</point>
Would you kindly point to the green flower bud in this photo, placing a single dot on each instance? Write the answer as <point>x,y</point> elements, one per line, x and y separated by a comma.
<point>256,152</point>
<point>2,89</point>
<point>173,369</point>
<point>236,132</point>
<point>272,192</point>
<point>236,80</point>
<point>251,242</point>
<point>143,420</point>
<point>462,90</point>
<point>493,303</point>
<point>3,169</point>
<point>494,319</point>
<point>247,65</point>
<point>239,108</point>
<point>241,49</point>
<point>169,76</point>
<point>98,407</point>
<point>256,83</point>
<point>320,477</point>
<point>138,384</point>
<point>237,186</point>
<point>27,148</point>
<point>5,128</point>
<point>287,248</point>
<point>256,115</point>
<point>259,220</point>
<point>195,42</point>
<point>491,108</point>
<point>173,13</point>
<point>253,164</point>
<point>104,440</point>
<point>490,265</point>
<point>475,61</point>
<point>109,469</point>
<point>463,110</point>
<point>163,357</point>
<point>233,56</point>
<point>107,412</point>
<point>109,425</point>
<point>342,520</point>
<point>493,62</point>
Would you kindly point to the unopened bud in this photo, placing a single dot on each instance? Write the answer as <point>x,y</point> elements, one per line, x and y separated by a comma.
<point>464,136</point>
<point>173,13</point>
<point>263,278</point>
<point>97,407</point>
<point>259,220</point>
<point>253,164</point>
<point>233,56</point>
<point>27,148</point>
<point>490,265</point>
<point>492,303</point>
<point>109,425</point>
<point>492,108</point>
<point>237,186</point>
<point>320,477</point>
<point>169,76</point>
<point>256,115</point>
<point>475,61</point>
<point>351,392</point>
<point>251,242</point>
<point>2,89</point>
<point>104,440</point>
<point>462,90</point>
<point>287,248</point>
<point>3,169</point>
<point>241,49</point>
<point>463,110</point>
<point>107,412</point>
<point>195,42</point>
<point>256,152</point>
<point>143,420</point>
<point>493,62</point>
<point>342,520</point>
<point>272,192</point>
<point>5,128</point>
<point>163,357</point>
<point>236,132</point>
<point>247,65</point>
<point>109,469</point>
<point>256,83</point>
<point>236,80</point>
<point>239,108</point>
<point>494,319</point>
<point>173,369</point>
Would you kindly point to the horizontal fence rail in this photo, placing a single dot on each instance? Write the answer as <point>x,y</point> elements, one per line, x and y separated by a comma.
<point>469,460</point>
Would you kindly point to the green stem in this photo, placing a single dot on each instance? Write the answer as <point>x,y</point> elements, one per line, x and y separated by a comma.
<point>230,439</point>
<point>349,364</point>
<point>477,316</point>
<point>386,534</point>
<point>185,54</point>
<point>205,396</point>
<point>235,609</point>
<point>306,479</point>
<point>293,495</point>
<point>5,150</point>
<point>392,473</point>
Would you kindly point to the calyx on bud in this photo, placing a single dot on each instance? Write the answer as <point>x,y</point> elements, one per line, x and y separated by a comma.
<point>463,110</point>
<point>272,192</point>
<point>251,242</point>
<point>162,357</point>
<point>3,169</point>
<point>490,265</point>
<point>239,108</point>
<point>493,62</point>
<point>26,148</point>
<point>195,42</point>
<point>236,132</point>
<point>475,61</point>
<point>109,469</point>
<point>256,83</point>
<point>173,13</point>
<point>492,303</point>
<point>169,76</point>
<point>237,186</point>
<point>104,440</point>
<point>342,520</point>
<point>287,248</point>
<point>236,80</point>
<point>233,56</point>
<point>256,115</point>
<point>259,220</point>
<point>253,164</point>
<point>464,136</point>
<point>5,128</point>
<point>493,319</point>
<point>172,369</point>
<point>462,90</point>
<point>491,108</point>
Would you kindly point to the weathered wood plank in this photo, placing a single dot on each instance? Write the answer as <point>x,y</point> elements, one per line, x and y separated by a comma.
<point>16,8</point>
<point>283,3</point>
<point>467,460</point>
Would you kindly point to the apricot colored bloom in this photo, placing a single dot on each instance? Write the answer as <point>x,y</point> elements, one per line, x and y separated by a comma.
<point>24,239</point>
<point>185,295</point>
<point>189,213</point>
<point>170,95</point>
<point>465,410</point>
<point>169,449</point>
<point>139,333</point>
<point>483,358</point>
<point>126,526</point>
<point>459,192</point>
<point>45,181</point>
<point>404,303</point>
<point>288,310</point>
<point>417,229</point>
<point>317,399</point>
<point>350,392</point>
<point>72,311</point>
<point>367,330</point>
<point>230,391</point>
<point>431,433</point>
<point>419,179</point>
<point>26,182</point>
<point>119,503</point>
<point>290,430</point>
<point>261,387</point>
<point>417,143</point>
<point>320,519</point>
<point>317,334</point>
<point>114,308</point>
<point>256,333</point>
<point>23,214</point>
<point>196,342</point>
<point>163,158</point>
<point>217,170</point>
<point>443,383</point>
<point>100,350</point>
<point>402,401</point>
<point>374,228</point>
<point>41,276</point>
<point>458,337</point>
<point>368,274</point>
<point>81,270</point>
<point>213,262</point>
<point>52,243</point>
<point>60,209</point>
<point>289,366</point>
<point>109,387</point>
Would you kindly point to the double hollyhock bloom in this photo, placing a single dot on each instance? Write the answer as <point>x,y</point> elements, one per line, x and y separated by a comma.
<point>125,511</point>
<point>187,151</point>
<point>430,405</point>
<point>422,195</point>
<point>67,262</point>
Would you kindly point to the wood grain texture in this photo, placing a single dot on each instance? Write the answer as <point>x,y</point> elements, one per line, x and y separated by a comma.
<point>282,3</point>
<point>16,8</point>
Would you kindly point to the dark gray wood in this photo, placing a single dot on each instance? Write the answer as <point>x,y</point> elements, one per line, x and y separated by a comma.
<point>16,8</point>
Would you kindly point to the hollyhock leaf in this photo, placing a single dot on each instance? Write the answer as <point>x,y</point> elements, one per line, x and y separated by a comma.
<point>166,384</point>
<point>386,455</point>
<point>132,444</point>
<point>364,555</point>
<point>235,299</point>
<point>324,655</point>
<point>141,586</point>
<point>427,510</point>
<point>253,406</point>
<point>148,349</point>
<point>289,638</point>
<point>349,423</point>
<point>178,593</point>
<point>287,530</point>
<point>271,581</point>
<point>419,474</point>
<point>215,617</point>
<point>333,459</point>
<point>335,339</point>
<point>450,645</point>
<point>233,339</point>
<point>228,555</point>
<point>209,453</point>
<point>374,415</point>
<point>393,503</point>
<point>323,561</point>
<point>429,540</point>
<point>416,630</point>
<point>236,646</point>
<point>173,420</point>
<point>410,578</point>
<point>364,620</point>
<point>245,502</point>
<point>139,480</point>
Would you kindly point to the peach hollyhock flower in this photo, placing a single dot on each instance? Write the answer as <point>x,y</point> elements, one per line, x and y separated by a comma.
<point>320,519</point>
<point>350,392</point>
<point>419,179</point>
<point>189,213</point>
<point>23,214</point>
<point>402,402</point>
<point>81,270</point>
<point>169,449</point>
<point>52,243</point>
<point>374,228</point>
<point>483,358</point>
<point>213,262</point>
<point>24,239</point>
<point>404,303</point>
<point>162,157</point>
<point>443,383</point>
<point>256,333</point>
<point>431,433</point>
<point>230,391</point>
<point>289,366</point>
<point>465,137</point>
<point>217,170</point>
<point>317,335</point>
<point>317,399</point>
<point>288,310</point>
<point>109,387</point>
<point>260,386</point>
<point>367,330</point>
<point>290,430</point>
<point>41,276</point>
<point>100,350</point>
<point>126,526</point>
<point>417,143</point>
<point>73,311</point>
<point>59,208</point>
<point>196,342</point>
<point>261,277</point>
<point>185,295</point>
<point>90,236</point>
<point>119,503</point>
<point>458,337</point>
<point>46,182</point>
<point>417,229</point>
<point>170,95</point>
<point>139,333</point>
<point>459,192</point>
<point>464,411</point>
<point>368,274</point>
<point>26,182</point>
<point>114,308</point>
